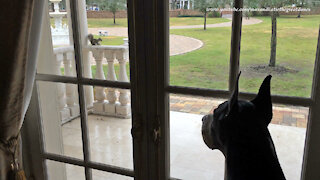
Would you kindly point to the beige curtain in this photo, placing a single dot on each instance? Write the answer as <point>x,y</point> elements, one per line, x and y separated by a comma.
<point>18,47</point>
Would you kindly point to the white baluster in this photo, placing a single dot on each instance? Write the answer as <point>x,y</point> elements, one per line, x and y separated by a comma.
<point>123,76</point>
<point>126,41</point>
<point>67,72</point>
<point>110,108</point>
<point>74,74</point>
<point>123,109</point>
<point>126,44</point>
<point>99,91</point>
<point>57,67</point>
<point>71,90</point>
<point>64,112</point>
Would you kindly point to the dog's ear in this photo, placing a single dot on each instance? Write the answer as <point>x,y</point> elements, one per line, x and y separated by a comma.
<point>233,101</point>
<point>263,100</point>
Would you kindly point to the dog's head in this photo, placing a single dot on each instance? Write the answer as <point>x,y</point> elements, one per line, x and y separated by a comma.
<point>237,120</point>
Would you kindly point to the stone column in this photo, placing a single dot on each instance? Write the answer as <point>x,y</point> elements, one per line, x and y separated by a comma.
<point>83,24</point>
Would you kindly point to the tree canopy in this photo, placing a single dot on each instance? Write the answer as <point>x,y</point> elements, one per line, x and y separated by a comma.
<point>202,5</point>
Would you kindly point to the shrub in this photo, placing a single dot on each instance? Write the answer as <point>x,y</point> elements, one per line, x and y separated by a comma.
<point>214,14</point>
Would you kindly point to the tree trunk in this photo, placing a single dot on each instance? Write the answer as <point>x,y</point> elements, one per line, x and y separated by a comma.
<point>299,15</point>
<point>114,18</point>
<point>272,61</point>
<point>205,21</point>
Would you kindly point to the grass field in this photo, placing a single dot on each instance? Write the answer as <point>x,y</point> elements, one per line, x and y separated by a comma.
<point>174,21</point>
<point>208,67</point>
<point>110,40</point>
<point>122,22</point>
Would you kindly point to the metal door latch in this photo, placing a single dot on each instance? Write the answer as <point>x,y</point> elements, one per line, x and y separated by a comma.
<point>156,135</point>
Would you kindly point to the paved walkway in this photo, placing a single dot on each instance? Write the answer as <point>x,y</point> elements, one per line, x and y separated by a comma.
<point>178,44</point>
<point>282,115</point>
<point>183,44</point>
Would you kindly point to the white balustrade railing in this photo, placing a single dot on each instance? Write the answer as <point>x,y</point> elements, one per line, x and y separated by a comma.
<point>116,101</point>
<point>67,93</point>
<point>108,101</point>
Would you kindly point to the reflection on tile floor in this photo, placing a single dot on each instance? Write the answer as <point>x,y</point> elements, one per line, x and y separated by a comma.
<point>190,158</point>
<point>110,140</point>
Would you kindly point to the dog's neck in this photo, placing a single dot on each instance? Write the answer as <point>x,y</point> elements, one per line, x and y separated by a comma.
<point>252,160</point>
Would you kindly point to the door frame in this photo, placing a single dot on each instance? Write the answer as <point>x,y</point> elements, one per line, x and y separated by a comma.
<point>148,26</point>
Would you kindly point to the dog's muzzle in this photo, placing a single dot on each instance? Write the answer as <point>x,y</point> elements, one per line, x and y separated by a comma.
<point>207,135</point>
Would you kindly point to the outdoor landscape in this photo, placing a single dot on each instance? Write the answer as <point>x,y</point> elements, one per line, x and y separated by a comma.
<point>208,66</point>
<point>291,60</point>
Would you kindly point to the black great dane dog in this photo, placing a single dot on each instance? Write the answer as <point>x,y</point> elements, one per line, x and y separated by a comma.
<point>239,129</point>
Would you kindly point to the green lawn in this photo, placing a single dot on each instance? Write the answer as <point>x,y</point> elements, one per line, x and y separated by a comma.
<point>110,40</point>
<point>106,22</point>
<point>122,22</point>
<point>182,21</point>
<point>208,67</point>
<point>174,21</point>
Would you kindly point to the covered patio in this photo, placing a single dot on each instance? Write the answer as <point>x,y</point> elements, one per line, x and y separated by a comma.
<point>111,143</point>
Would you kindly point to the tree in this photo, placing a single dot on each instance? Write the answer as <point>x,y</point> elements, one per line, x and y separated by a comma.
<point>114,6</point>
<point>250,4</point>
<point>273,46</point>
<point>173,4</point>
<point>203,5</point>
<point>90,3</point>
<point>111,5</point>
<point>272,4</point>
<point>302,4</point>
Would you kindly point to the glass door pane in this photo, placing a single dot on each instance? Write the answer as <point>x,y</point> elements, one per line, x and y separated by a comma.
<point>199,47</point>
<point>294,49</point>
<point>190,157</point>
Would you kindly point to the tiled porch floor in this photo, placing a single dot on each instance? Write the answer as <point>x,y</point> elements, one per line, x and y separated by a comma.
<point>111,143</point>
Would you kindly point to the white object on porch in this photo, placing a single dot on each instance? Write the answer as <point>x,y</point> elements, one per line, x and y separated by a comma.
<point>103,33</point>
<point>60,33</point>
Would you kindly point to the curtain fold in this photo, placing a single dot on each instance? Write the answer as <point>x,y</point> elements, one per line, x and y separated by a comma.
<point>17,73</point>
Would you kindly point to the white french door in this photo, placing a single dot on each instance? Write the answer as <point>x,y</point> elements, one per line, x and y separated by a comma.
<point>148,29</point>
